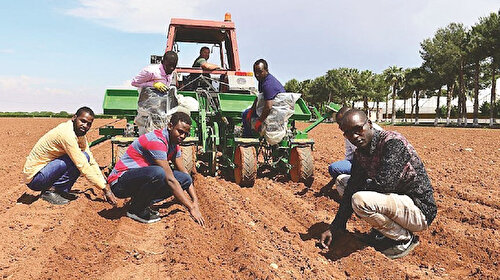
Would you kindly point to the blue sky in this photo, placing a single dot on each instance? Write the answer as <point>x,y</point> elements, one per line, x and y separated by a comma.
<point>58,55</point>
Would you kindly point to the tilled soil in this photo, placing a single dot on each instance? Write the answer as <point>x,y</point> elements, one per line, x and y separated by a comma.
<point>268,231</point>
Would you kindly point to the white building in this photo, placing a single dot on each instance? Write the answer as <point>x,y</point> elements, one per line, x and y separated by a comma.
<point>426,105</point>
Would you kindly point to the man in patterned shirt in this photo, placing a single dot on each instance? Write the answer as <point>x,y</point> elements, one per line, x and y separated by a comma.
<point>389,188</point>
<point>341,170</point>
<point>144,174</point>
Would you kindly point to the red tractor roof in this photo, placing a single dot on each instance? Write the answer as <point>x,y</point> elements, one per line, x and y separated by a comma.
<point>222,33</point>
<point>200,31</point>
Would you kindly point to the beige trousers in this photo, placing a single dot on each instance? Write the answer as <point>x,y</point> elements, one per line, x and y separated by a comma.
<point>394,215</point>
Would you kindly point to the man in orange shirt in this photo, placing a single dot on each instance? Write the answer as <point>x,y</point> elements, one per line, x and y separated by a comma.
<point>60,156</point>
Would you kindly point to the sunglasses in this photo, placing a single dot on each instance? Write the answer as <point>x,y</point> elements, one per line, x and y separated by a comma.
<point>355,130</point>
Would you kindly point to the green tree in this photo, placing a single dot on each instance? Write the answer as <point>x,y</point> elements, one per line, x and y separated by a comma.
<point>444,55</point>
<point>341,84</point>
<point>416,81</point>
<point>318,91</point>
<point>394,76</point>
<point>476,53</point>
<point>365,86</point>
<point>293,86</point>
<point>488,32</point>
<point>380,91</point>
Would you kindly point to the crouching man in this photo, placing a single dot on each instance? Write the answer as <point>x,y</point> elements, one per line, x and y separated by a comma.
<point>144,174</point>
<point>389,188</point>
<point>60,156</point>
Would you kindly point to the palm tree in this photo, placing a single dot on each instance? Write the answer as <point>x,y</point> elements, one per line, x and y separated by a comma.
<point>394,76</point>
<point>380,91</point>
<point>365,87</point>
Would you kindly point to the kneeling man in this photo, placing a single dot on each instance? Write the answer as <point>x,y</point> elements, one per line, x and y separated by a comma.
<point>389,188</point>
<point>144,174</point>
<point>57,159</point>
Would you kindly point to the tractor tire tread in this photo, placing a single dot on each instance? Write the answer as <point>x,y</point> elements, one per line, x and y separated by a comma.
<point>248,166</point>
<point>303,168</point>
<point>188,154</point>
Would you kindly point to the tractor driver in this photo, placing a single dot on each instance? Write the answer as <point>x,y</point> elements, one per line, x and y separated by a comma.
<point>201,62</point>
<point>270,87</point>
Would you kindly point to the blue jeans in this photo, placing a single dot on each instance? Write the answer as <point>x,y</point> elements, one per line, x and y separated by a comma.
<point>339,167</point>
<point>247,127</point>
<point>61,173</point>
<point>146,185</point>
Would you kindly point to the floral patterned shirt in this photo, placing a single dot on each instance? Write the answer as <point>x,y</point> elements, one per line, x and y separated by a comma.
<point>391,165</point>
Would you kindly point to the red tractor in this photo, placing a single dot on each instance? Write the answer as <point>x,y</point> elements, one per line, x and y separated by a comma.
<point>215,141</point>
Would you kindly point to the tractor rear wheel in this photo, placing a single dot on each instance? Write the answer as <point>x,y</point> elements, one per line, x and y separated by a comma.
<point>245,172</point>
<point>302,163</point>
<point>188,154</point>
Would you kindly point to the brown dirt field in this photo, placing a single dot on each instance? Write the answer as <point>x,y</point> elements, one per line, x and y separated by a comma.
<point>248,229</point>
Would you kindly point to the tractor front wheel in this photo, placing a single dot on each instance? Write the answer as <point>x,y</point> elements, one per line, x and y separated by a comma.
<point>302,163</point>
<point>245,159</point>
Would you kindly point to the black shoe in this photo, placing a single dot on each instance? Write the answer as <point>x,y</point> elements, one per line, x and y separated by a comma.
<point>153,212</point>
<point>53,198</point>
<point>67,195</point>
<point>401,248</point>
<point>144,216</point>
<point>374,238</point>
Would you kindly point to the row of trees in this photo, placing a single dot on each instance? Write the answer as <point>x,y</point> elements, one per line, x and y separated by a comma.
<point>457,62</point>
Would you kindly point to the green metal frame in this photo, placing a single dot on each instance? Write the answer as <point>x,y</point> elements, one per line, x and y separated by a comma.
<point>214,123</point>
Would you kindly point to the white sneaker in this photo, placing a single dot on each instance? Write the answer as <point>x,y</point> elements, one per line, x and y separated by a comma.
<point>401,248</point>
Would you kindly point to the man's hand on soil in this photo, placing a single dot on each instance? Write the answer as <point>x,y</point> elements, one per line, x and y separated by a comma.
<point>326,239</point>
<point>196,204</point>
<point>110,197</point>
<point>196,215</point>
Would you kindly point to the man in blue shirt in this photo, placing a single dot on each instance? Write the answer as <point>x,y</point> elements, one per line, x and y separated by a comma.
<point>270,87</point>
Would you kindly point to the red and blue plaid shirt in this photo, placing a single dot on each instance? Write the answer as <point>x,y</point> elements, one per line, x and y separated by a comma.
<point>144,151</point>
